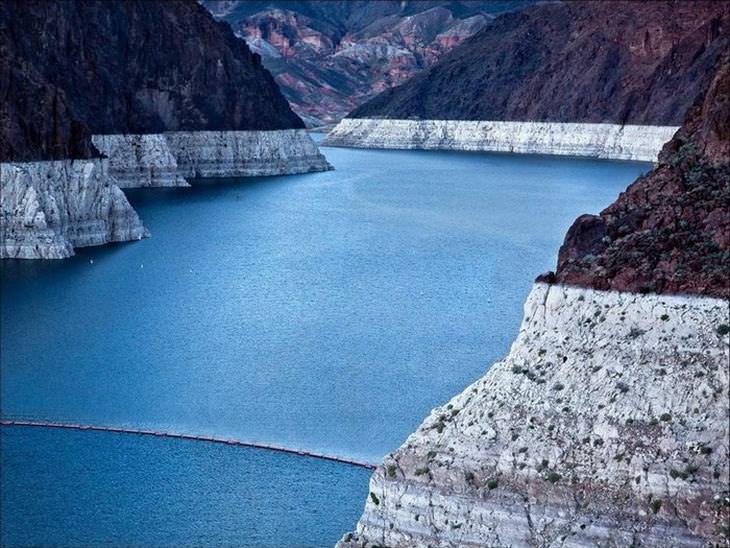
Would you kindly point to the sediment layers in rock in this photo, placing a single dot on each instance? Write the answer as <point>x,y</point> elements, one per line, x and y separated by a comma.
<point>140,160</point>
<point>168,159</point>
<point>245,153</point>
<point>49,208</point>
<point>607,424</point>
<point>609,141</point>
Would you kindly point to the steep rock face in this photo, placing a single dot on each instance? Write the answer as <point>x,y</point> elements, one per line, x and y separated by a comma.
<point>48,208</point>
<point>170,158</point>
<point>607,424</point>
<point>331,56</point>
<point>72,69</point>
<point>670,230</point>
<point>606,62</point>
<point>610,141</point>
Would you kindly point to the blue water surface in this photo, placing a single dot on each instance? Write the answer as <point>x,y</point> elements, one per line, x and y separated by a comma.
<point>328,311</point>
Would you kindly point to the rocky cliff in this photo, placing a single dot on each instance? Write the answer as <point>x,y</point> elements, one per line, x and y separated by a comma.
<point>48,208</point>
<point>331,56</point>
<point>605,62</point>
<point>608,422</point>
<point>609,141</point>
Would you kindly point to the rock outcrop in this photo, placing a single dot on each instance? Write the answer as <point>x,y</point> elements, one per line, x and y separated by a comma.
<point>330,56</point>
<point>670,230</point>
<point>608,424</point>
<point>630,62</point>
<point>609,141</point>
<point>49,208</point>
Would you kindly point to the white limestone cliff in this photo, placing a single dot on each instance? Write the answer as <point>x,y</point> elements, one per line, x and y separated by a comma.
<point>140,160</point>
<point>606,425</point>
<point>607,141</point>
<point>49,208</point>
<point>169,158</point>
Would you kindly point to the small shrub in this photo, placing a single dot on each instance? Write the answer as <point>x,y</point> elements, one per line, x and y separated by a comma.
<point>704,450</point>
<point>636,332</point>
<point>421,471</point>
<point>391,468</point>
<point>492,483</point>
<point>664,317</point>
<point>666,417</point>
<point>553,477</point>
<point>655,505</point>
<point>723,329</point>
<point>374,498</point>
<point>558,386</point>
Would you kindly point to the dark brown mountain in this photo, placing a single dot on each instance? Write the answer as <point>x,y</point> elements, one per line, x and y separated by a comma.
<point>670,231</point>
<point>329,56</point>
<point>619,62</point>
<point>73,68</point>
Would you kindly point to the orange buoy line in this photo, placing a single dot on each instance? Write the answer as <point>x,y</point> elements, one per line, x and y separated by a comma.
<point>177,435</point>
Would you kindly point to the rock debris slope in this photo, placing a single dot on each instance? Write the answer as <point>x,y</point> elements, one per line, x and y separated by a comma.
<point>607,423</point>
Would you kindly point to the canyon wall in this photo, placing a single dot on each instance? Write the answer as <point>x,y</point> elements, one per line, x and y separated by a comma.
<point>48,208</point>
<point>608,423</point>
<point>622,62</point>
<point>609,141</point>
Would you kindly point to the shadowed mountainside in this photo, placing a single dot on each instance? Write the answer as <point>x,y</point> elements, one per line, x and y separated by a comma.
<point>75,68</point>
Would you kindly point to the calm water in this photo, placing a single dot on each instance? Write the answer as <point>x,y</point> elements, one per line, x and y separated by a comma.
<point>328,312</point>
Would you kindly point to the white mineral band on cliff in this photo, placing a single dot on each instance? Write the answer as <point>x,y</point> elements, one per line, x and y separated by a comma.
<point>48,208</point>
<point>607,141</point>
<point>607,424</point>
<point>169,158</point>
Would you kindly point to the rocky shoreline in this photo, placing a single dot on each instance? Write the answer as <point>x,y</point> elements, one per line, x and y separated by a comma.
<point>605,141</point>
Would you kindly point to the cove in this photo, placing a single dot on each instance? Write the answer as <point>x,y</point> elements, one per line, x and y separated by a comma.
<point>327,312</point>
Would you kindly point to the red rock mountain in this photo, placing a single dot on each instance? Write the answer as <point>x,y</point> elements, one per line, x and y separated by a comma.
<point>330,56</point>
<point>619,62</point>
<point>670,231</point>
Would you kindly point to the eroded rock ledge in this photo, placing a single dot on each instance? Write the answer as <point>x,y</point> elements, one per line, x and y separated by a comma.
<point>169,158</point>
<point>607,424</point>
<point>608,141</point>
<point>49,208</point>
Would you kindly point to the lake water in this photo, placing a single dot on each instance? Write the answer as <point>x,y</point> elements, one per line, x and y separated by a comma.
<point>327,312</point>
